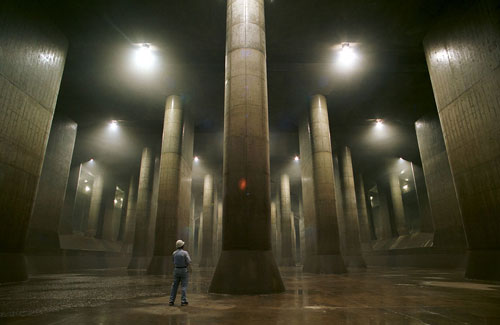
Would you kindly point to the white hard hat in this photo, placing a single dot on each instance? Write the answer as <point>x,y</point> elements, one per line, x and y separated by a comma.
<point>179,243</point>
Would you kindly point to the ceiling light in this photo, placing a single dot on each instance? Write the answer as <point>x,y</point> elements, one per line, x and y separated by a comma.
<point>379,124</point>
<point>113,125</point>
<point>346,56</point>
<point>144,57</point>
<point>296,158</point>
<point>87,189</point>
<point>196,159</point>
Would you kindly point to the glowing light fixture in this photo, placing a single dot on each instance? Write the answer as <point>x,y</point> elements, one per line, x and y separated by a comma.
<point>379,124</point>
<point>196,159</point>
<point>296,158</point>
<point>405,187</point>
<point>371,198</point>
<point>85,181</point>
<point>91,160</point>
<point>87,189</point>
<point>406,179</point>
<point>144,57</point>
<point>113,125</point>
<point>347,56</point>
<point>402,172</point>
<point>116,201</point>
<point>401,159</point>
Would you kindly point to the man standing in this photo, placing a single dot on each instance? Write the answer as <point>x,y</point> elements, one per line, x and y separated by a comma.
<point>181,263</point>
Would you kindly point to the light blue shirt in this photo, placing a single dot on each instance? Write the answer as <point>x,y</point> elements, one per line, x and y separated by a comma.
<point>181,258</point>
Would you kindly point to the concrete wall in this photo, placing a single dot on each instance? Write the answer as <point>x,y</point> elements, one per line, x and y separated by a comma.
<point>463,57</point>
<point>32,59</point>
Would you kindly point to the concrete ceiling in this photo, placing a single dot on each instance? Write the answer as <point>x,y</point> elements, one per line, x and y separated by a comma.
<point>391,81</point>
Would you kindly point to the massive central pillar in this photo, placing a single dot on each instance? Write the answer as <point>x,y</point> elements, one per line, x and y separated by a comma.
<point>208,208</point>
<point>323,226</point>
<point>246,264</point>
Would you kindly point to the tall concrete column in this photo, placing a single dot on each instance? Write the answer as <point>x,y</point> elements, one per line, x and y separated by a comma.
<point>302,235</point>
<point>324,228</point>
<point>32,61</point>
<point>294,239</point>
<point>286,258</point>
<point>364,223</point>
<point>214,221</point>
<point>192,228</point>
<point>174,196</point>
<point>142,211</point>
<point>154,207</point>
<point>397,203</point>
<point>246,187</point>
<point>219,228</point>
<point>444,206</point>
<point>96,197</point>
<point>278,228</point>
<point>128,237</point>
<point>200,236</point>
<point>206,258</point>
<point>352,255</point>
<point>43,233</point>
<point>382,222</point>
<point>463,57</point>
<point>273,227</point>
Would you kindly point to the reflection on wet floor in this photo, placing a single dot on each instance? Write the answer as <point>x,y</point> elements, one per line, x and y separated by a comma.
<point>379,296</point>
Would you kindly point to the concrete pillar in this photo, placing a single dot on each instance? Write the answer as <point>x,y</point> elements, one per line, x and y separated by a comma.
<point>382,222</point>
<point>214,222</point>
<point>364,223</point>
<point>286,258</point>
<point>206,258</point>
<point>445,210</point>
<point>200,236</point>
<point>192,228</point>
<point>43,233</point>
<point>68,224</point>
<point>294,239</point>
<point>128,237</point>
<point>302,236</point>
<point>246,187</point>
<point>339,204</point>
<point>32,61</point>
<point>326,257</point>
<point>397,203</point>
<point>219,229</point>
<point>111,222</point>
<point>154,207</point>
<point>174,196</point>
<point>273,227</point>
<point>463,55</point>
<point>278,227</point>
<point>142,211</point>
<point>91,229</point>
<point>352,255</point>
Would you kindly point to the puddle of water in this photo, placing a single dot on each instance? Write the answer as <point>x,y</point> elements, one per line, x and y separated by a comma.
<point>461,285</point>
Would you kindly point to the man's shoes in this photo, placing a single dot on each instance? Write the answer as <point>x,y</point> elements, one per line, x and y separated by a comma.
<point>171,303</point>
<point>185,303</point>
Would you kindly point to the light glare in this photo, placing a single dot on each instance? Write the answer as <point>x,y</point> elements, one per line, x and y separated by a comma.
<point>346,57</point>
<point>196,159</point>
<point>87,189</point>
<point>144,58</point>
<point>113,126</point>
<point>296,158</point>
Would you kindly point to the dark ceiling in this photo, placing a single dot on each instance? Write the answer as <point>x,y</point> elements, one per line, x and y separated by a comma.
<point>390,82</point>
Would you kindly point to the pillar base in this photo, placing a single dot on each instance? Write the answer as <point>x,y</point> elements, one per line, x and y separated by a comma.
<point>13,267</point>
<point>354,261</point>
<point>139,262</point>
<point>327,264</point>
<point>246,272</point>
<point>161,265</point>
<point>483,265</point>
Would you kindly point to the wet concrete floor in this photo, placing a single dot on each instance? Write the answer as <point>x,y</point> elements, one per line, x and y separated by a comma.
<point>375,296</point>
